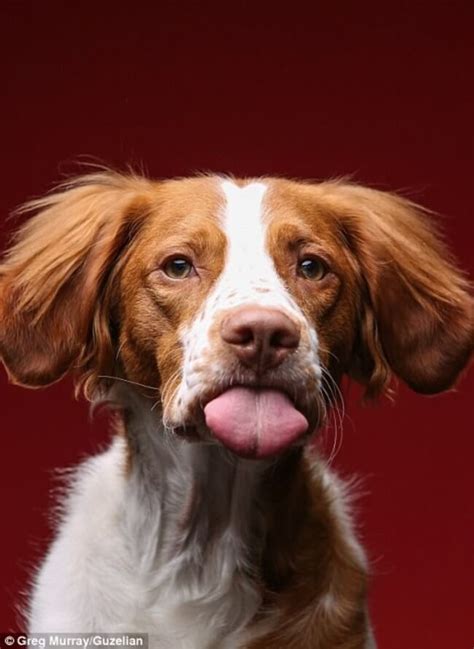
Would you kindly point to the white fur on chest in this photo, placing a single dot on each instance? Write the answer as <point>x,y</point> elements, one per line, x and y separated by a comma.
<point>154,552</point>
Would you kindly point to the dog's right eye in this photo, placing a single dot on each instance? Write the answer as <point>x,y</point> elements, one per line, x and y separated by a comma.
<point>178,268</point>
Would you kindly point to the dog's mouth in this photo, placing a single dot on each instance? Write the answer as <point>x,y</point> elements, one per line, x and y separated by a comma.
<point>255,422</point>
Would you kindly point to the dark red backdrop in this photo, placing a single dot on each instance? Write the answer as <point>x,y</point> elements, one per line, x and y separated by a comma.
<point>360,89</point>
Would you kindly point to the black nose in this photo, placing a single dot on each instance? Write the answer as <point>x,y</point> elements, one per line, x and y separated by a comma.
<point>261,337</point>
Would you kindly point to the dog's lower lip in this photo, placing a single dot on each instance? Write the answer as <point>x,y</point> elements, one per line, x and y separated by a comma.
<point>187,432</point>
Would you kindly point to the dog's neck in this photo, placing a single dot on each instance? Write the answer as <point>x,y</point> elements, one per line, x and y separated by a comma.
<point>194,512</point>
<point>201,490</point>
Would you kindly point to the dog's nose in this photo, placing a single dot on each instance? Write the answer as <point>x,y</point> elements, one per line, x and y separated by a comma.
<point>261,337</point>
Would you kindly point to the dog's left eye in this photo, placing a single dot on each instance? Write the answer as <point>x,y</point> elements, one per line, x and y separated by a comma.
<point>312,268</point>
<point>178,268</point>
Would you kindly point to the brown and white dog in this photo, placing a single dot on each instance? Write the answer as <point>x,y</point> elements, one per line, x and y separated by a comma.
<point>219,315</point>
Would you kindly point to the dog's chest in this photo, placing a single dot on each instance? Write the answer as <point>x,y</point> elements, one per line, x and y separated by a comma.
<point>195,553</point>
<point>186,606</point>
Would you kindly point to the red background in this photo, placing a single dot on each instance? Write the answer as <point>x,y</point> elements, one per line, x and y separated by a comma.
<point>315,91</point>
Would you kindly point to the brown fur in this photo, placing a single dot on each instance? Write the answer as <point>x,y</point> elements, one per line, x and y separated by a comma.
<point>307,557</point>
<point>54,280</point>
<point>81,290</point>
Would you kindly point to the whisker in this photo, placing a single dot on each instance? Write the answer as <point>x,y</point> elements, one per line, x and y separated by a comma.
<point>165,391</point>
<point>119,378</point>
<point>119,349</point>
<point>157,403</point>
<point>328,352</point>
<point>334,397</point>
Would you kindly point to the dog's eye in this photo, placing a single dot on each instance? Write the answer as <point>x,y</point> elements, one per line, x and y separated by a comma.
<point>312,268</point>
<point>178,268</point>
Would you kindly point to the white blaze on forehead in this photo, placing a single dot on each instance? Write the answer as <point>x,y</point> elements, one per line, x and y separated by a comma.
<point>249,267</point>
<point>242,220</point>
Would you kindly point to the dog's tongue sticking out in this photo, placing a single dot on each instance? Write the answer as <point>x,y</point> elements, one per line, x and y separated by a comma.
<point>254,422</point>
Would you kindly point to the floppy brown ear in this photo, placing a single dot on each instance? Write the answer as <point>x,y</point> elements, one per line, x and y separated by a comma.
<point>417,316</point>
<point>55,281</point>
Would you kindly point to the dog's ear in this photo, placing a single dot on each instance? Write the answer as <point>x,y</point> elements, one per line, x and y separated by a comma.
<point>56,279</point>
<point>417,313</point>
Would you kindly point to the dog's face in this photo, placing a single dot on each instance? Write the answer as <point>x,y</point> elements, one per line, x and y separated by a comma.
<point>238,284</point>
<point>241,301</point>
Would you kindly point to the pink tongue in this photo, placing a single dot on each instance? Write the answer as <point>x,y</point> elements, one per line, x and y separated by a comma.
<point>254,423</point>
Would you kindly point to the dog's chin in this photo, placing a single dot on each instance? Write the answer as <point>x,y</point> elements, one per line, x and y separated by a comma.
<point>251,423</point>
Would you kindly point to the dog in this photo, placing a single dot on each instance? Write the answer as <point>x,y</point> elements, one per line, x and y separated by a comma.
<point>217,317</point>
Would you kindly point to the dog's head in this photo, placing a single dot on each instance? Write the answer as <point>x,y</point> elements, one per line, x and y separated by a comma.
<point>242,302</point>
